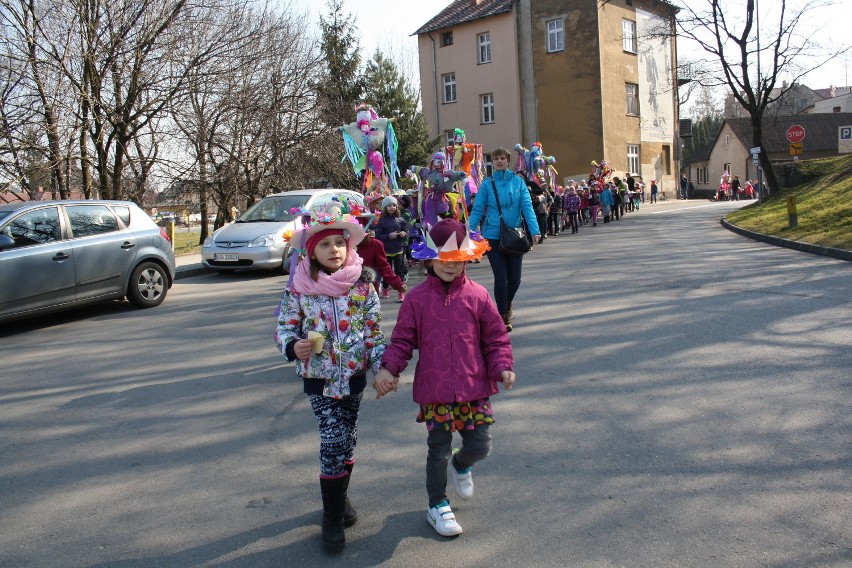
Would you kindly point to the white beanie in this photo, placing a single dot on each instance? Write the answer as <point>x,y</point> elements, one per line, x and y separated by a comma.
<point>389,200</point>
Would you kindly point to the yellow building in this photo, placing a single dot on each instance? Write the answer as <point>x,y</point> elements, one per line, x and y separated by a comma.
<point>589,79</point>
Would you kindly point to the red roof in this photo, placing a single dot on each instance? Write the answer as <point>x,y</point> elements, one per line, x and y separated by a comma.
<point>20,196</point>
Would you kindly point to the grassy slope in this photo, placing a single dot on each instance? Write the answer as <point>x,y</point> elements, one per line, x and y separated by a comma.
<point>823,203</point>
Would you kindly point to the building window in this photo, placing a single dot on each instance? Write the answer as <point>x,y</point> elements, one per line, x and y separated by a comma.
<point>484,41</point>
<point>449,87</point>
<point>633,158</point>
<point>487,108</point>
<point>450,136</point>
<point>632,92</point>
<point>447,38</point>
<point>727,139</point>
<point>555,35</point>
<point>726,168</point>
<point>667,159</point>
<point>628,36</point>
<point>489,170</point>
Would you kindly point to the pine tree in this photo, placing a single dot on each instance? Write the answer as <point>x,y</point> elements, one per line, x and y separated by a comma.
<point>392,96</point>
<point>343,86</point>
<point>339,90</point>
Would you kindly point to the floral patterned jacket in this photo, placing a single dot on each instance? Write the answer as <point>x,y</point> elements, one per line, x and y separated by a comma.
<point>353,344</point>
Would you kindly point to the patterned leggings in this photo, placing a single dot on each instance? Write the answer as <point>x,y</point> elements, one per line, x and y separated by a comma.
<point>338,427</point>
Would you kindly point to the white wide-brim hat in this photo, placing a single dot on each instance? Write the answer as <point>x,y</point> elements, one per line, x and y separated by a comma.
<point>330,216</point>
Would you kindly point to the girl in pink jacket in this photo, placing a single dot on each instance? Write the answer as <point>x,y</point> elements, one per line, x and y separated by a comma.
<point>464,352</point>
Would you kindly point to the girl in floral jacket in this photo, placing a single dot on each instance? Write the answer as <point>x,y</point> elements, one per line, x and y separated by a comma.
<point>464,352</point>
<point>329,323</point>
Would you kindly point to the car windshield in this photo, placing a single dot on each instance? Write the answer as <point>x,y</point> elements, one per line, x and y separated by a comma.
<point>274,209</point>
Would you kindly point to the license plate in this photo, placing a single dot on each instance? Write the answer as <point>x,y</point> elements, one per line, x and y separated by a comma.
<point>226,256</point>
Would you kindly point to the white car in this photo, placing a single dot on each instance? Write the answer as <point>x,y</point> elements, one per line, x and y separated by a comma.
<point>258,239</point>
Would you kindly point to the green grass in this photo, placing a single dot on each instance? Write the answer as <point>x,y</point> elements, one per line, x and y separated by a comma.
<point>186,241</point>
<point>823,206</point>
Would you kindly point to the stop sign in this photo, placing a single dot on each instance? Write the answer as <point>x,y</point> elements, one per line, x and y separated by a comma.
<point>795,134</point>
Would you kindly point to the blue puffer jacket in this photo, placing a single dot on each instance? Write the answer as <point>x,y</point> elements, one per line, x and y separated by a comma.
<point>514,200</point>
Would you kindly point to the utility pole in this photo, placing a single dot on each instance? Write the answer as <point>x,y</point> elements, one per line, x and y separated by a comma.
<point>760,196</point>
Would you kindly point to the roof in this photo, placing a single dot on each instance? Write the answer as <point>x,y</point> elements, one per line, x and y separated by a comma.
<point>23,196</point>
<point>462,11</point>
<point>820,131</point>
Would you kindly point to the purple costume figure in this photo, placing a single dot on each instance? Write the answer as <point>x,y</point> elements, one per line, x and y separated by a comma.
<point>436,183</point>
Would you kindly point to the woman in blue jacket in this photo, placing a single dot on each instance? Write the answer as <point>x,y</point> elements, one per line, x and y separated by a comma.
<point>514,201</point>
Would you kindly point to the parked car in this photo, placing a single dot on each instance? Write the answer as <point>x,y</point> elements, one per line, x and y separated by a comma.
<point>56,255</point>
<point>176,219</point>
<point>258,239</point>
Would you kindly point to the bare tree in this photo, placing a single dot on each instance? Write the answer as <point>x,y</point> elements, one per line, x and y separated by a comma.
<point>727,32</point>
<point>40,83</point>
<point>249,116</point>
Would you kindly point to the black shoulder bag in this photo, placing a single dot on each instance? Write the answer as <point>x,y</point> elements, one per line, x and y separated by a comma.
<point>513,240</point>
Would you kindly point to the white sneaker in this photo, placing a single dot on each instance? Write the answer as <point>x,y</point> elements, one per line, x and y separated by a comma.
<point>443,520</point>
<point>462,482</point>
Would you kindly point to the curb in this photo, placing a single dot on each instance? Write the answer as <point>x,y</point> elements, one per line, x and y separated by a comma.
<point>841,254</point>
<point>190,271</point>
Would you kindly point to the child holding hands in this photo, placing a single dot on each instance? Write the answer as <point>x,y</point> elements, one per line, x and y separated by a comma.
<point>464,352</point>
<point>328,321</point>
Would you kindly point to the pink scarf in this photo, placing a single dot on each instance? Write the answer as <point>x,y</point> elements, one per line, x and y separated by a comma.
<point>335,284</point>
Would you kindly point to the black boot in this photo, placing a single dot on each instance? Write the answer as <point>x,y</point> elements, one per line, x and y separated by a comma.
<point>333,498</point>
<point>349,513</point>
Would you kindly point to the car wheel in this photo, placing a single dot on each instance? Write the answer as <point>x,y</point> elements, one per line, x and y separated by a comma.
<point>148,285</point>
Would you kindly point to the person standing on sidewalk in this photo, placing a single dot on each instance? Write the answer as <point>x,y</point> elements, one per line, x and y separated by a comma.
<point>515,202</point>
<point>456,372</point>
<point>328,321</point>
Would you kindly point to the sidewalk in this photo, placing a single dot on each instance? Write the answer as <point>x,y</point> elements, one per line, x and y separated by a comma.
<point>189,265</point>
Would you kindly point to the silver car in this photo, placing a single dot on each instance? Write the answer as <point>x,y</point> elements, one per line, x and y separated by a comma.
<point>56,255</point>
<point>258,239</point>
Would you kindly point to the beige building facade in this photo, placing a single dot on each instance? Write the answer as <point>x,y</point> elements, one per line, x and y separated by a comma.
<point>591,80</point>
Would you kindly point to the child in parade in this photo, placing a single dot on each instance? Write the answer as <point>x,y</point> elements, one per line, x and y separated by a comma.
<point>554,214</point>
<point>456,372</point>
<point>608,203</point>
<point>328,322</point>
<point>584,204</point>
<point>392,231</point>
<point>372,252</point>
<point>572,206</point>
<point>594,202</point>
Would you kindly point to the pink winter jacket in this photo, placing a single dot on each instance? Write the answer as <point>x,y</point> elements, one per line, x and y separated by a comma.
<point>461,338</point>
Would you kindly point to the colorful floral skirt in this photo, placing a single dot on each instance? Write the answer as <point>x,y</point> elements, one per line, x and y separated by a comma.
<point>456,416</point>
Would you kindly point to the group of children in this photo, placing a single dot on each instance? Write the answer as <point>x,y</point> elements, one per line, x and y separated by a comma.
<point>580,203</point>
<point>329,324</point>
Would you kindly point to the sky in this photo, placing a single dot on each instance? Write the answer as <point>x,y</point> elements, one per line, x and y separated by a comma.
<point>408,15</point>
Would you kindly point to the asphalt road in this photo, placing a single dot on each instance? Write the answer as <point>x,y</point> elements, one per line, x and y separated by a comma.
<point>682,400</point>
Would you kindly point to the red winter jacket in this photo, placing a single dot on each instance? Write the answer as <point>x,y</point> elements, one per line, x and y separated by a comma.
<point>372,251</point>
<point>461,338</point>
